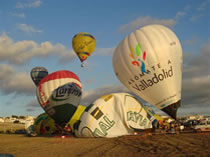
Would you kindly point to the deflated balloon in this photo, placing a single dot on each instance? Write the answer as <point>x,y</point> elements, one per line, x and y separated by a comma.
<point>157,118</point>
<point>59,94</point>
<point>44,125</point>
<point>83,44</point>
<point>38,73</point>
<point>149,63</point>
<point>113,115</point>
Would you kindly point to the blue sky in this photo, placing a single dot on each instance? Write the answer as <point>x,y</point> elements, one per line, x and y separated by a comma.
<point>39,33</point>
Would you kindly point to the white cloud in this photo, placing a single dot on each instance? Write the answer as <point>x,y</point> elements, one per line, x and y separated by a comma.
<point>145,20</point>
<point>103,51</point>
<point>142,21</point>
<point>31,4</point>
<point>203,6</point>
<point>180,14</point>
<point>200,11</point>
<point>89,96</point>
<point>20,15</point>
<point>195,17</point>
<point>196,78</point>
<point>26,50</point>
<point>27,28</point>
<point>90,81</point>
<point>11,81</point>
<point>192,41</point>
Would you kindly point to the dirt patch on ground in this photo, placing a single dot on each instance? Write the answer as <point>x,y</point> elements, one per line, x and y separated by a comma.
<point>191,144</point>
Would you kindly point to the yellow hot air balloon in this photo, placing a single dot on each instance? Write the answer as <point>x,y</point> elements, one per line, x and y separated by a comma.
<point>44,125</point>
<point>83,44</point>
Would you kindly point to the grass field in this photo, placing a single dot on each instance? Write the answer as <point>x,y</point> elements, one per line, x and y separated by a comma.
<point>146,145</point>
<point>10,127</point>
<point>178,145</point>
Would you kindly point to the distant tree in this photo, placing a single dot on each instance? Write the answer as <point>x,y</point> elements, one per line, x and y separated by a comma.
<point>14,116</point>
<point>22,117</point>
<point>16,121</point>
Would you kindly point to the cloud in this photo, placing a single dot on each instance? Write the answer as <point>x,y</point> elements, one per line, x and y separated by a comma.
<point>103,51</point>
<point>27,28</point>
<point>20,15</point>
<point>26,50</point>
<point>91,95</point>
<point>200,11</point>
<point>11,81</point>
<point>203,6</point>
<point>31,4</point>
<point>198,65</point>
<point>191,42</point>
<point>196,78</point>
<point>65,56</point>
<point>90,81</point>
<point>196,91</point>
<point>142,21</point>
<point>32,105</point>
<point>180,14</point>
<point>195,17</point>
<point>145,20</point>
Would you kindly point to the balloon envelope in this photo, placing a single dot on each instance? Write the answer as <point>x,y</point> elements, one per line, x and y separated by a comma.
<point>59,94</point>
<point>149,63</point>
<point>44,125</point>
<point>113,115</point>
<point>83,44</point>
<point>37,74</point>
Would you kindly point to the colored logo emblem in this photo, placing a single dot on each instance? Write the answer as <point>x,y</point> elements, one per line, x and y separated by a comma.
<point>141,58</point>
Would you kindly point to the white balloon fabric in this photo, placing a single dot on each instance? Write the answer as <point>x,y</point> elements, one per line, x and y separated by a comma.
<point>149,63</point>
<point>113,115</point>
<point>59,94</point>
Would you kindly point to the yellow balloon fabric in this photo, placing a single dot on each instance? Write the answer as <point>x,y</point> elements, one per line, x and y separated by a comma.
<point>83,44</point>
<point>44,125</point>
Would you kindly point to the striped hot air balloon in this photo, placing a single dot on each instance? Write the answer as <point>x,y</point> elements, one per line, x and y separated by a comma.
<point>59,94</point>
<point>38,73</point>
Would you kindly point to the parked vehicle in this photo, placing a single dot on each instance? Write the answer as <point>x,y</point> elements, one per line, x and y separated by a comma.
<point>203,126</point>
<point>191,123</point>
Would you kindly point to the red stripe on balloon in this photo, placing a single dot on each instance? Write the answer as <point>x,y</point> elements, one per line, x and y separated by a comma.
<point>59,75</point>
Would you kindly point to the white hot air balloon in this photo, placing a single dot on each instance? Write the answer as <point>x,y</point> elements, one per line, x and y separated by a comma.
<point>59,94</point>
<point>149,63</point>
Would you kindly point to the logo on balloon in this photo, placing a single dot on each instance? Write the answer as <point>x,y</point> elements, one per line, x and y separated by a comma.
<point>141,54</point>
<point>65,92</point>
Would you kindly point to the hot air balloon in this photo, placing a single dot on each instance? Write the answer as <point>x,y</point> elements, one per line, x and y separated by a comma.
<point>149,63</point>
<point>44,125</point>
<point>83,44</point>
<point>158,119</point>
<point>37,74</point>
<point>59,94</point>
<point>112,115</point>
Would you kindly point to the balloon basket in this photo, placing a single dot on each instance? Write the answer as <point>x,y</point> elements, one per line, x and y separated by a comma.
<point>82,65</point>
